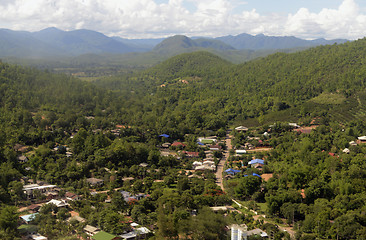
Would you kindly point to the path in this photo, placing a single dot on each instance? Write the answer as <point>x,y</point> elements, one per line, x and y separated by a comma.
<point>221,165</point>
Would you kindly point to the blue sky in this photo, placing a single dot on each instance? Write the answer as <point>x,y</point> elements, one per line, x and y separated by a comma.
<point>288,6</point>
<point>308,19</point>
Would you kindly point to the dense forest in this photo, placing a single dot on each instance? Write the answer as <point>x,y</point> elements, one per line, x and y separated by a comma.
<point>111,129</point>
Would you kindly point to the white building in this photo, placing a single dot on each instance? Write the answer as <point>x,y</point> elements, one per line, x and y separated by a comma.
<point>241,232</point>
<point>238,232</point>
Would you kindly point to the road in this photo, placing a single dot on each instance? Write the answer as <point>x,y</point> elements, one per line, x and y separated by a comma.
<point>221,165</point>
<point>219,181</point>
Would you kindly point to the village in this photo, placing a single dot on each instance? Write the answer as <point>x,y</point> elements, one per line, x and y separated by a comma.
<point>227,157</point>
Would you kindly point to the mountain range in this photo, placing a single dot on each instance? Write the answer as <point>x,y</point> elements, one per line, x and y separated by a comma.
<point>53,42</point>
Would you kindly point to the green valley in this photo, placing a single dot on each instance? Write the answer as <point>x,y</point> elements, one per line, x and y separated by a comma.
<point>137,152</point>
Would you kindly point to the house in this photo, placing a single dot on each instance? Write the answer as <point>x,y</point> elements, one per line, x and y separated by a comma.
<point>258,232</point>
<point>164,135</point>
<point>58,203</point>
<point>128,179</point>
<point>232,171</point>
<point>21,148</point>
<point>166,145</point>
<point>131,197</point>
<point>258,166</point>
<point>352,143</point>
<point>346,150</point>
<point>361,140</point>
<point>34,208</point>
<point>71,196</point>
<point>254,174</point>
<point>215,147</point>
<point>22,159</point>
<point>241,129</point>
<point>207,140</point>
<point>178,144</point>
<point>90,230</point>
<point>37,236</point>
<point>136,233</point>
<point>306,130</point>
<point>208,163</point>
<point>205,167</point>
<point>256,161</point>
<point>240,152</point>
<point>30,188</point>
<point>104,236</point>
<point>143,165</point>
<point>95,181</point>
<point>196,163</point>
<point>76,218</point>
<point>294,125</point>
<point>191,154</point>
<point>248,146</point>
<point>51,195</point>
<point>28,218</point>
<point>209,158</point>
<point>129,235</point>
<point>220,208</point>
<point>240,232</point>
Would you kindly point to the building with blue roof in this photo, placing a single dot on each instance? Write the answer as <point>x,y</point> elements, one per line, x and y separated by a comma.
<point>256,161</point>
<point>232,171</point>
<point>28,218</point>
<point>164,135</point>
<point>254,174</point>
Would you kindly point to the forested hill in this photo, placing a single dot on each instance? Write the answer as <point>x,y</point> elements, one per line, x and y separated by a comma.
<point>189,64</point>
<point>31,100</point>
<point>200,91</point>
<point>215,92</point>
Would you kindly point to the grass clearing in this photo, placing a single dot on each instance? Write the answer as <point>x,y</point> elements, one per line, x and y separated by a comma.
<point>329,98</point>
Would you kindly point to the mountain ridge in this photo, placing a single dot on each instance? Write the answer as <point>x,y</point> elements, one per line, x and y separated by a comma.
<point>56,42</point>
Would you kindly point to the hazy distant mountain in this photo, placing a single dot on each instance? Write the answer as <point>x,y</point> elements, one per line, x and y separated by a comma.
<point>23,44</point>
<point>55,42</point>
<point>52,43</point>
<point>82,41</point>
<point>144,44</point>
<point>180,44</point>
<point>247,41</point>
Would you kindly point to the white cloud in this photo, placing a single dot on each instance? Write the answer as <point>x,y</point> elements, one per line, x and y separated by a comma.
<point>146,18</point>
<point>346,22</point>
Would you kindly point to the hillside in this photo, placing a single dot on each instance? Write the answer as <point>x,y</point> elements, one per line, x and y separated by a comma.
<point>260,41</point>
<point>90,55</point>
<point>279,86</point>
<point>213,92</point>
<point>181,44</point>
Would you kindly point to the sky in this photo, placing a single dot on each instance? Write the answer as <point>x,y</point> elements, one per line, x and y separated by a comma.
<point>307,19</point>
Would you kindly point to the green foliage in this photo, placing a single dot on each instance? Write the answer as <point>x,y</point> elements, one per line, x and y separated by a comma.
<point>247,186</point>
<point>9,220</point>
